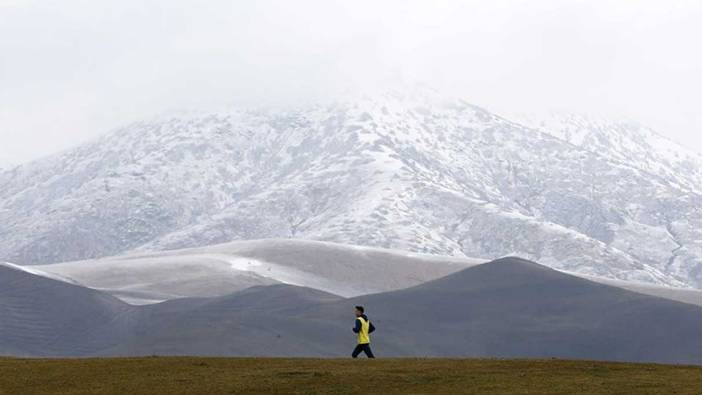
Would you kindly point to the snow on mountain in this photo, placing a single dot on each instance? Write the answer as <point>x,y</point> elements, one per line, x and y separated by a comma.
<point>641,147</point>
<point>222,269</point>
<point>394,171</point>
<point>625,141</point>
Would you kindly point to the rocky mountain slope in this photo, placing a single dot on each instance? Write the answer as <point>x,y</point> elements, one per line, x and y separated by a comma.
<point>413,173</point>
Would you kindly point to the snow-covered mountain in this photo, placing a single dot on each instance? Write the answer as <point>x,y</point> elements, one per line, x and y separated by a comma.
<point>625,141</point>
<point>641,147</point>
<point>395,171</point>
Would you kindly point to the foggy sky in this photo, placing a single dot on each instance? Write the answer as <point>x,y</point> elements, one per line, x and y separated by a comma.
<point>70,70</point>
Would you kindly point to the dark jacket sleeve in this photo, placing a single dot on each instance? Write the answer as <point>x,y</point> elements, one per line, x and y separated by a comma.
<point>357,328</point>
<point>371,328</point>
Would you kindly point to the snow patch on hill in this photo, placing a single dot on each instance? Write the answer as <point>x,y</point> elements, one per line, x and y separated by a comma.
<point>222,269</point>
<point>36,272</point>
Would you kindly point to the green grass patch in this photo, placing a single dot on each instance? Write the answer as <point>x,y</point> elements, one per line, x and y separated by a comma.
<point>335,376</point>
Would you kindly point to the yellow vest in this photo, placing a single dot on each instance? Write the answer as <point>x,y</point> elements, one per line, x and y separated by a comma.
<point>363,336</point>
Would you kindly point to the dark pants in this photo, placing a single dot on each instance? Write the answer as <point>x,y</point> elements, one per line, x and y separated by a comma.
<point>362,347</point>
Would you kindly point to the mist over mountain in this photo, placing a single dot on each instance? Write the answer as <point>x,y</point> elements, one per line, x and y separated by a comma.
<point>5,163</point>
<point>410,172</point>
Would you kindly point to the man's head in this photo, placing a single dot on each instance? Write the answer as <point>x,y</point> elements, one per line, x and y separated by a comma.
<point>359,311</point>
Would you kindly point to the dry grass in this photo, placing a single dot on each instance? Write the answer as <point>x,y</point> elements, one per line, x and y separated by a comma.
<point>305,376</point>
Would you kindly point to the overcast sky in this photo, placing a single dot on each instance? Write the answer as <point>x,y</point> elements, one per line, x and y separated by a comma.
<point>70,70</point>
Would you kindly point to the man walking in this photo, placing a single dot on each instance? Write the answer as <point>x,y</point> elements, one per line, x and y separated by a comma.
<point>363,328</point>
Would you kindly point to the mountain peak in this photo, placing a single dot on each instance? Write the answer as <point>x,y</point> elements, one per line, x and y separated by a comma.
<point>393,171</point>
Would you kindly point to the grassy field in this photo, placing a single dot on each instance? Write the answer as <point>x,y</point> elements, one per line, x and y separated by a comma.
<point>305,376</point>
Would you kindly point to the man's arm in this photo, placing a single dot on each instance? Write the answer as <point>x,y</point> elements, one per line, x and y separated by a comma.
<point>357,328</point>
<point>371,328</point>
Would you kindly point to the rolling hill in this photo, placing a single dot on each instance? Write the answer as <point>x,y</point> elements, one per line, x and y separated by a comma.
<point>506,308</point>
<point>43,316</point>
<point>219,270</point>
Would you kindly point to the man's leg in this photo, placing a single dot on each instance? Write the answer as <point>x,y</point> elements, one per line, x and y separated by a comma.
<point>357,351</point>
<point>368,351</point>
